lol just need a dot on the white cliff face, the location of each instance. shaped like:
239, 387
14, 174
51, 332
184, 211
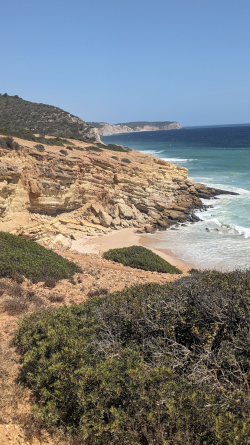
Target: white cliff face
106, 129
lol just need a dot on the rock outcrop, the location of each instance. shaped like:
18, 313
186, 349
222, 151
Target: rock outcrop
56, 195
106, 129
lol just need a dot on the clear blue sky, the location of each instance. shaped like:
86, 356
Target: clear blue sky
113, 60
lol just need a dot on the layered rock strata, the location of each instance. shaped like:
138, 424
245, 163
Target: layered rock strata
58, 195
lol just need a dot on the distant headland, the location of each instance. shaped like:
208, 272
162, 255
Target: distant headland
106, 129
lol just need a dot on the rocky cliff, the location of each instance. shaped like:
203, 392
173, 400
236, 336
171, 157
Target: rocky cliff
18, 114
54, 195
106, 129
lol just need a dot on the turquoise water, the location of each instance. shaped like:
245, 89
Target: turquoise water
219, 157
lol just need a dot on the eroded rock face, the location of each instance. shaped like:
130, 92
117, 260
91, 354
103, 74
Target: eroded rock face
47, 194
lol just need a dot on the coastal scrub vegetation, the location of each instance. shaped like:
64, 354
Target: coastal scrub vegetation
24, 257
92, 148
64, 152
9, 143
40, 147
17, 114
29, 136
114, 147
162, 364
140, 258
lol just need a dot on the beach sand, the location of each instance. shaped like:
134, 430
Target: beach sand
125, 238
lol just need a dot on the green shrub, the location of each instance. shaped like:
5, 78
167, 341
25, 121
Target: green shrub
18, 255
114, 147
53, 141
40, 147
64, 152
126, 160
115, 157
140, 258
19, 133
78, 148
91, 148
163, 364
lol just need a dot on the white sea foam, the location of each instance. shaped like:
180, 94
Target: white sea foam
214, 224
242, 231
152, 152
229, 188
158, 152
178, 160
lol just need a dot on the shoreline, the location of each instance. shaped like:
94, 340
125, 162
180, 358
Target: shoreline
125, 238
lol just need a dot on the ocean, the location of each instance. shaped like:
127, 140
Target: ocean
216, 156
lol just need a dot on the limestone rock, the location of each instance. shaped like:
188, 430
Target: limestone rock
60, 241
53, 198
125, 211
105, 218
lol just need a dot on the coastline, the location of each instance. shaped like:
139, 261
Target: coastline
124, 238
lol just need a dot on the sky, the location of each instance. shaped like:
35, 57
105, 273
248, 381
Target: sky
118, 61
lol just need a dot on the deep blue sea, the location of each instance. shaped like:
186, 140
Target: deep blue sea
217, 156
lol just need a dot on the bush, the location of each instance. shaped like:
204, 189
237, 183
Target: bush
29, 136
115, 147
91, 148
9, 143
13, 307
140, 258
151, 364
53, 141
78, 148
18, 255
126, 160
64, 152
39, 147
97, 292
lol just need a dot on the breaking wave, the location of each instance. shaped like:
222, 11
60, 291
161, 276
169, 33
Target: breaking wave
178, 160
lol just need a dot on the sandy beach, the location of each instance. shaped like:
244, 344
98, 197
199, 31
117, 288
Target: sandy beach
125, 238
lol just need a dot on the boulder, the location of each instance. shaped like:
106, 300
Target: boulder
105, 218
60, 241
116, 221
125, 211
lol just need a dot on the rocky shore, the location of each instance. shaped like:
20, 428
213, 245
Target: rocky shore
58, 195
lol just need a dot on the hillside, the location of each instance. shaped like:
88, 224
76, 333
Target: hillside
18, 114
99, 276
106, 129
148, 364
